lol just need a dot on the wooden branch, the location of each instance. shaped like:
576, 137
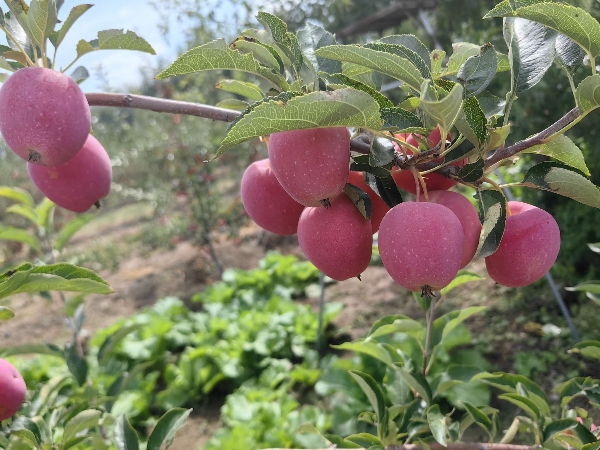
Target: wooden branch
360, 144
161, 105
436, 446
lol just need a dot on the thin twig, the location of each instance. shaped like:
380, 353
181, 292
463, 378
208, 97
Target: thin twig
430, 319
540, 138
461, 446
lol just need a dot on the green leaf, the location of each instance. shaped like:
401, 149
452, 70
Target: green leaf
19, 235
369, 348
492, 213
340, 79
70, 228
479, 417
462, 277
462, 51
55, 277
19, 11
411, 42
242, 88
84, 420
397, 326
472, 172
491, 105
115, 40
111, 342
389, 64
416, 383
38, 349
531, 51
462, 316
522, 402
563, 180
478, 71
6, 313
287, 41
76, 12
508, 6
360, 163
508, 382
344, 107
364, 440
263, 53
361, 200
575, 23
313, 37
400, 120
587, 94
166, 428
217, 55
587, 286
77, 364
26, 211
437, 424
404, 52
79, 75
583, 434
568, 53
17, 194
233, 104
472, 122
382, 152
437, 60
589, 349
386, 188
26, 435
558, 426
445, 111
45, 212
372, 390
27, 429
564, 150
41, 18
339, 442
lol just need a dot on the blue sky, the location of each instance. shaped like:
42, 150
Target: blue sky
122, 67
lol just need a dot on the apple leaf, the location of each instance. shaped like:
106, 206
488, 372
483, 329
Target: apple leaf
575, 23
344, 107
217, 55
242, 88
445, 111
41, 18
478, 71
492, 213
387, 63
57, 37
531, 51
564, 150
563, 180
54, 277
587, 94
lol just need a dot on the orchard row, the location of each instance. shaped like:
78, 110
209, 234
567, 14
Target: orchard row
423, 244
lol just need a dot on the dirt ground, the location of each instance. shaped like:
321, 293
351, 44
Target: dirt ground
142, 279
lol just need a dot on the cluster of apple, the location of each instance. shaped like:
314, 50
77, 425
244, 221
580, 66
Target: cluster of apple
45, 119
423, 244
